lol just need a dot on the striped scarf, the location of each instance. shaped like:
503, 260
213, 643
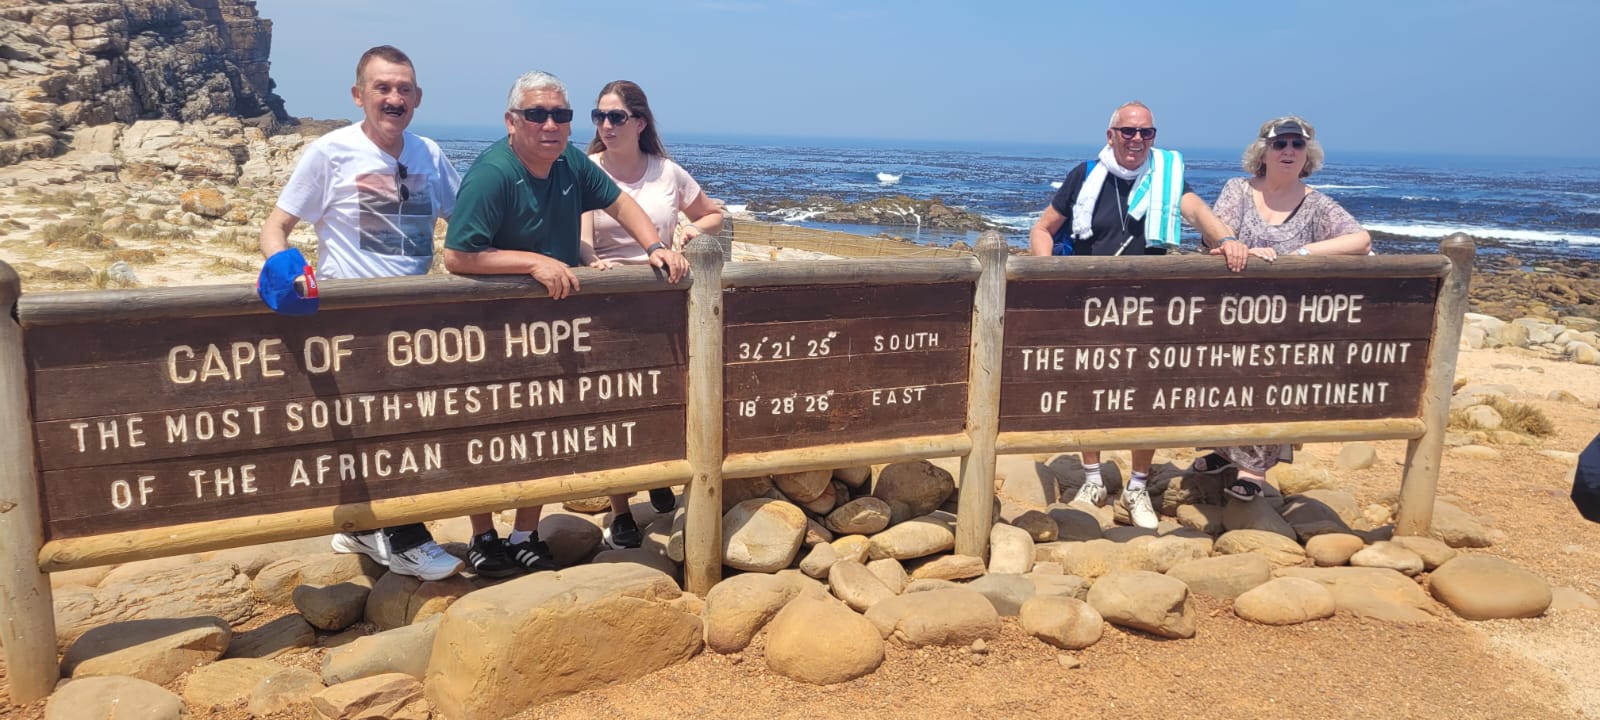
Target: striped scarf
1157, 194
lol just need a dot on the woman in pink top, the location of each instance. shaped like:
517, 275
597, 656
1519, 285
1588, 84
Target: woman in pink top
1274, 213
628, 149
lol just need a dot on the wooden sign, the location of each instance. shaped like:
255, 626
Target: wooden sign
824, 365
1087, 354
159, 423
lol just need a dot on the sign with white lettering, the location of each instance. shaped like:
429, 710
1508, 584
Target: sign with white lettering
1086, 354
160, 423
809, 366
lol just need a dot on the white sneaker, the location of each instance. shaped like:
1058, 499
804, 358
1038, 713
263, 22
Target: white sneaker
1092, 493
372, 545
1138, 504
427, 561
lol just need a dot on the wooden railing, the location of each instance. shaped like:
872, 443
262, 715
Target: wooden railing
180, 420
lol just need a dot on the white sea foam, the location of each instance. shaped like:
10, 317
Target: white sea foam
1016, 222
1349, 187
1423, 230
1418, 197
739, 209
888, 179
798, 214
1056, 184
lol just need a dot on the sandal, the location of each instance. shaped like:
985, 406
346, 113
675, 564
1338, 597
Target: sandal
1243, 489
1210, 464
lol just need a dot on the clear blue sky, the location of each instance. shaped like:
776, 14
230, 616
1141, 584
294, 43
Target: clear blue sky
1478, 77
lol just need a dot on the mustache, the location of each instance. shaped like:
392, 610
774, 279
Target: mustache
390, 107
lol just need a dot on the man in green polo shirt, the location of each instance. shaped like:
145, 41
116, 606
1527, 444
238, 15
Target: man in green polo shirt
518, 213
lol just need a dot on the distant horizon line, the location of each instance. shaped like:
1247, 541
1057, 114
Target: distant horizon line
495, 132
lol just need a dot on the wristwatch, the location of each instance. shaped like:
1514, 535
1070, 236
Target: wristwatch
653, 248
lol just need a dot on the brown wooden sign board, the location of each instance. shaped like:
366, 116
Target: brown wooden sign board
1086, 354
154, 424
824, 365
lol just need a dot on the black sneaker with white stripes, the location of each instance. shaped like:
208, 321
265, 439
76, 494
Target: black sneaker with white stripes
489, 558
533, 555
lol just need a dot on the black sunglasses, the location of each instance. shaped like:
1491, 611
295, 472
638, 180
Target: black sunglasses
537, 115
1281, 144
617, 117
400, 181
1129, 132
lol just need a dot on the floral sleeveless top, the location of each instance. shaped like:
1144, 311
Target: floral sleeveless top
1318, 218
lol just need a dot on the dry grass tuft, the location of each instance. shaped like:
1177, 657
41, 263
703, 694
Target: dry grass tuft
75, 234
1514, 416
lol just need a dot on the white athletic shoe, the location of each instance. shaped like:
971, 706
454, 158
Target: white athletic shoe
1092, 493
372, 545
1138, 504
427, 561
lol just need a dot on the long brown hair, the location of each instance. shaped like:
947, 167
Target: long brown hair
639, 106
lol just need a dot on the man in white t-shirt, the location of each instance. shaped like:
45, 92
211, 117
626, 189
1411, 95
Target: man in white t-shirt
373, 192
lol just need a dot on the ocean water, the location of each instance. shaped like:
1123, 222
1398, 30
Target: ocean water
1530, 207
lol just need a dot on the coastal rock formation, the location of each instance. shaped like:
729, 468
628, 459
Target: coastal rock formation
71, 63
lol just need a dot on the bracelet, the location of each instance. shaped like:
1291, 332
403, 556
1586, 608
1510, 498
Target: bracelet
653, 248
1223, 240
1303, 251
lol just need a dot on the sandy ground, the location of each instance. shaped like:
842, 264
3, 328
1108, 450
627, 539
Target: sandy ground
1343, 667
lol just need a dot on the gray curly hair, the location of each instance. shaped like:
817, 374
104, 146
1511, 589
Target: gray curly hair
1256, 152
533, 80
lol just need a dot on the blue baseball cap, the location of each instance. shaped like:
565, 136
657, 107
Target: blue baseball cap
276, 285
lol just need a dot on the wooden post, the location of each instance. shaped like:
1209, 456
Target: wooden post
1423, 454
27, 612
976, 515
702, 533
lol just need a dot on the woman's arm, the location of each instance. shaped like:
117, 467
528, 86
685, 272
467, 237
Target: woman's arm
704, 217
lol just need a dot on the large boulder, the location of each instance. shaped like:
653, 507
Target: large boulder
1484, 587
803, 487
113, 698
395, 696
947, 617
1154, 603
401, 650
737, 608
1285, 601
225, 682
822, 643
919, 537
1376, 593
156, 650
861, 516
1067, 623
1223, 576
913, 489
1010, 549
216, 589
762, 535
1281, 551
576, 618
856, 586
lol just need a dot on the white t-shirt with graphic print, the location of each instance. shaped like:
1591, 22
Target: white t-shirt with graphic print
369, 221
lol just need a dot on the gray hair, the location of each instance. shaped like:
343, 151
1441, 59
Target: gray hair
1131, 103
530, 81
1255, 153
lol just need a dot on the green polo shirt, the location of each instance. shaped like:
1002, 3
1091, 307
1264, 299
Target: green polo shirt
503, 206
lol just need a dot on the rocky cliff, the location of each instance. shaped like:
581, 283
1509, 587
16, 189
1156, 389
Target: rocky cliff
68, 64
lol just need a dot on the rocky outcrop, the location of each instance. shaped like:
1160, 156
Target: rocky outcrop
67, 64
